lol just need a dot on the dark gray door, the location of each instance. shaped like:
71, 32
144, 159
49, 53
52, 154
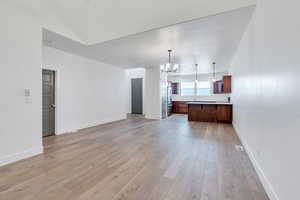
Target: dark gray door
137, 96
48, 103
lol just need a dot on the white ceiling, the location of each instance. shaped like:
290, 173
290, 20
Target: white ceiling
67, 17
201, 41
95, 21
111, 19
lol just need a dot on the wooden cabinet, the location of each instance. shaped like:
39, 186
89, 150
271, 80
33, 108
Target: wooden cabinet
195, 112
218, 87
224, 113
202, 113
223, 86
227, 84
210, 113
180, 107
174, 87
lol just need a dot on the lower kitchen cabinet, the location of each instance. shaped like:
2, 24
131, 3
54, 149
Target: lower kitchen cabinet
224, 113
180, 107
210, 113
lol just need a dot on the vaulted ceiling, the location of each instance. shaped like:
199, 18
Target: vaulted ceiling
202, 41
138, 33
95, 21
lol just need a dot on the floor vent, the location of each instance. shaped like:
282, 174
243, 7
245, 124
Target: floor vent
239, 148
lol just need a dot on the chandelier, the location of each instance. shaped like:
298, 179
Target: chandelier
169, 67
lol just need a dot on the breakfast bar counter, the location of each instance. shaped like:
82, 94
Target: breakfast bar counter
210, 112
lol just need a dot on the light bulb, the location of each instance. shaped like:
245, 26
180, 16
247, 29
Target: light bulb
176, 67
168, 66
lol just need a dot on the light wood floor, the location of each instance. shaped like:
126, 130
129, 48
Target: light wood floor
137, 159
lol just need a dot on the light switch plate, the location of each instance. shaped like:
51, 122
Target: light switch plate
27, 92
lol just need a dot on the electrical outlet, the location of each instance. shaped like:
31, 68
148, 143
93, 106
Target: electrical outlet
28, 100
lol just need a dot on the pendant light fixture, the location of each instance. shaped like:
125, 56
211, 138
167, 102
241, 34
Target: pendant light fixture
169, 67
196, 78
214, 72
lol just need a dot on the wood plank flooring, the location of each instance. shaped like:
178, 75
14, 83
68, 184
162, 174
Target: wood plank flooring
137, 159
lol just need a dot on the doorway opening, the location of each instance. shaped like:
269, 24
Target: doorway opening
48, 82
137, 96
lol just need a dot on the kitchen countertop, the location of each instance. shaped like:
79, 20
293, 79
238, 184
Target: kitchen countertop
193, 101
209, 103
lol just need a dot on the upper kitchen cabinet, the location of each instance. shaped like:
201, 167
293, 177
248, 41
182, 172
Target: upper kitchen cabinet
218, 87
223, 86
227, 84
175, 88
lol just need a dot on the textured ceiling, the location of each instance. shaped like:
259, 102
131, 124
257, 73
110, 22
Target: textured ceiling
201, 41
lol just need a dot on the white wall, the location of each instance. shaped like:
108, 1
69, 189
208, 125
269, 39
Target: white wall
152, 93
201, 77
47, 14
266, 97
131, 74
88, 92
20, 63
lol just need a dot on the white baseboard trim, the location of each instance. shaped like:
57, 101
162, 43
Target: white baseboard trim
264, 180
158, 117
20, 156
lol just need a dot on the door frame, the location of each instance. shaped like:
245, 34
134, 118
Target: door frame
55, 98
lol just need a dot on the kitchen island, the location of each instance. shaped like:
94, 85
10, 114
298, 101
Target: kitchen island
210, 111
